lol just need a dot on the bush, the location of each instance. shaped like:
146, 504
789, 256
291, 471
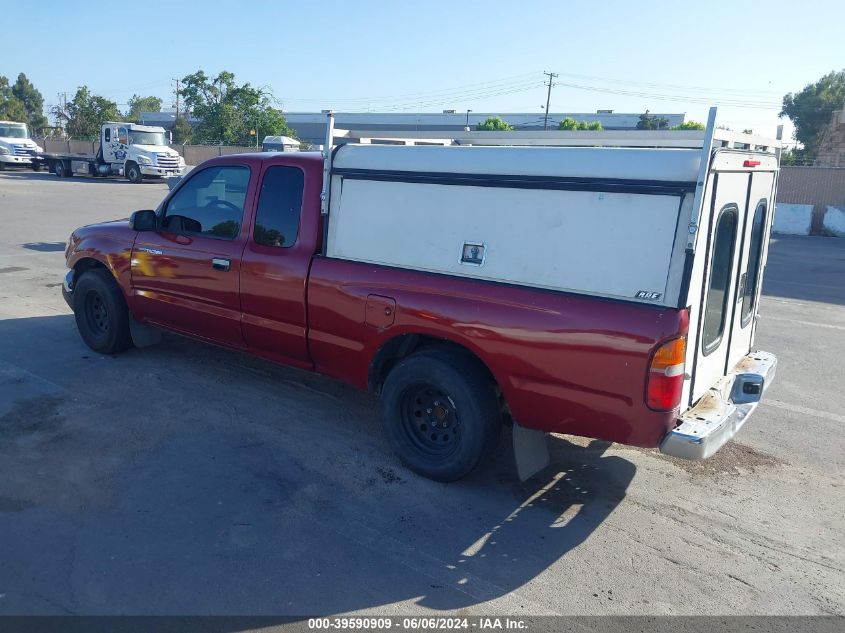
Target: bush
494, 124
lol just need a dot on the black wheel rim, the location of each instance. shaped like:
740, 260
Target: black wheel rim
430, 420
96, 314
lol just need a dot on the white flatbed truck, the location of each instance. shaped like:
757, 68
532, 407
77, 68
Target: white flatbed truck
126, 149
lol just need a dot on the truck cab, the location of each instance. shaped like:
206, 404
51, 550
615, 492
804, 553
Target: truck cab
16, 148
139, 150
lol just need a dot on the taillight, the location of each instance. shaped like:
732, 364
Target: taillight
666, 375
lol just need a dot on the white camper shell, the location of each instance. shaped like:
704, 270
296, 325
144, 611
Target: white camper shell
677, 219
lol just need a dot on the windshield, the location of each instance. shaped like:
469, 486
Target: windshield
13, 130
136, 137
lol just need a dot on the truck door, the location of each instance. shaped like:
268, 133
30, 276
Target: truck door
110, 143
754, 236
185, 276
275, 265
727, 219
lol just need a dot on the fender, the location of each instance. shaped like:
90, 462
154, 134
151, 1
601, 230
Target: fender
108, 245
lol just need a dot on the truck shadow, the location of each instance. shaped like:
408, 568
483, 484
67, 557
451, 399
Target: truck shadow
45, 247
184, 478
45, 175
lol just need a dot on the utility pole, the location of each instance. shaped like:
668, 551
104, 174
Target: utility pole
177, 97
548, 98
61, 117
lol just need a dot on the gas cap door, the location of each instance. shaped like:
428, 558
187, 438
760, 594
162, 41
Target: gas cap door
380, 311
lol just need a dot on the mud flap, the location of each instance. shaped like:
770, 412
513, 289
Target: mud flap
143, 335
530, 451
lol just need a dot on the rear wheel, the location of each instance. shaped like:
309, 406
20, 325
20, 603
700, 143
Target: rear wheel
440, 412
133, 173
101, 313
59, 168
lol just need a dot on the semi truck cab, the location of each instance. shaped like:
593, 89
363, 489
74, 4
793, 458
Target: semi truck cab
16, 148
139, 150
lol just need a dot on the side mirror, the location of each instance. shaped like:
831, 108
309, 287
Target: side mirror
144, 220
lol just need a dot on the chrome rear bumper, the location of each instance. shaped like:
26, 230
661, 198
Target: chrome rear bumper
723, 410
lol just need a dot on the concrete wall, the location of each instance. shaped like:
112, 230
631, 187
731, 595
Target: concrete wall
817, 192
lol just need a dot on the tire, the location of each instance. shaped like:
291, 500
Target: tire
58, 168
36, 166
102, 317
133, 173
2, 166
440, 413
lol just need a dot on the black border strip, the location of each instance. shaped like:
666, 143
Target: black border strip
560, 183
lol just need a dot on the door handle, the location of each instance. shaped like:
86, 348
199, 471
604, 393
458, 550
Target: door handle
219, 263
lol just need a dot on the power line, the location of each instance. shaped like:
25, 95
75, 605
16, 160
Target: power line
759, 105
707, 89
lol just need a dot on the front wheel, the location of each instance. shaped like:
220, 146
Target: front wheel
133, 173
36, 166
441, 414
101, 313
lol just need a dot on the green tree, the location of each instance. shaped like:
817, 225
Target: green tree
690, 125
810, 109
231, 113
793, 157
571, 124
85, 114
182, 130
494, 124
32, 101
11, 108
648, 122
138, 104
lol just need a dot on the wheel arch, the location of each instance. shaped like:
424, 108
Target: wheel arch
84, 264
400, 346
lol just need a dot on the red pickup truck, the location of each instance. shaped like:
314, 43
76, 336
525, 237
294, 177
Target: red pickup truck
460, 325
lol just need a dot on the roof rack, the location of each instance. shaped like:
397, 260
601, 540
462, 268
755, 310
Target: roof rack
684, 139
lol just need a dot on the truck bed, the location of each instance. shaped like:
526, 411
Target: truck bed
565, 363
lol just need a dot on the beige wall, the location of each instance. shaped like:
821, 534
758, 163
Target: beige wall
821, 187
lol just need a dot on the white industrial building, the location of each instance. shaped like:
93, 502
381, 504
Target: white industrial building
311, 126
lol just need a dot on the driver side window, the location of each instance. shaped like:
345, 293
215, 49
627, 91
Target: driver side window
211, 203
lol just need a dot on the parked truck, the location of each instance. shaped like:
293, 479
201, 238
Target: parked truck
126, 149
16, 148
608, 290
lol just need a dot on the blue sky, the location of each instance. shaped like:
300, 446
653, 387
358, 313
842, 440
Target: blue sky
433, 55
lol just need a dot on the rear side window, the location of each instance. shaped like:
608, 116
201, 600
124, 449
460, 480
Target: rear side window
279, 205
720, 277
755, 258
210, 203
